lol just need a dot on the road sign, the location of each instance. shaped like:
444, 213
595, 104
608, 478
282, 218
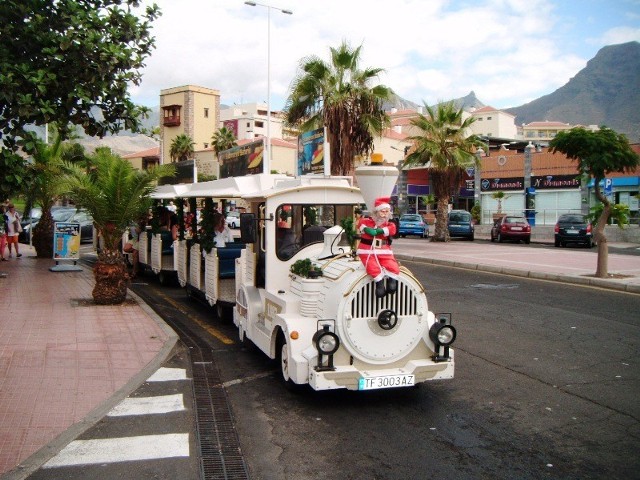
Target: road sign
608, 186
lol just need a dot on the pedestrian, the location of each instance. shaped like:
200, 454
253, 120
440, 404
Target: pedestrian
13, 229
3, 232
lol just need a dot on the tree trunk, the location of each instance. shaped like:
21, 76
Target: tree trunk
42, 235
441, 233
602, 270
111, 277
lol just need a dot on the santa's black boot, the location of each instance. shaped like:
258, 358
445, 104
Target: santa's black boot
392, 285
381, 291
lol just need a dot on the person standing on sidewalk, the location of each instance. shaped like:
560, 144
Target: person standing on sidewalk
3, 232
13, 224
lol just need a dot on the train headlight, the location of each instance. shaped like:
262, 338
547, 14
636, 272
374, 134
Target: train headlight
442, 334
326, 342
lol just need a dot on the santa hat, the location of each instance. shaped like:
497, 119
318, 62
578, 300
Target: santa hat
381, 203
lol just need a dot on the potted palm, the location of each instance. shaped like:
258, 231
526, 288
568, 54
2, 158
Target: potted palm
500, 195
115, 194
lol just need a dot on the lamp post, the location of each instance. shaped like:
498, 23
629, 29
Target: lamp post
267, 157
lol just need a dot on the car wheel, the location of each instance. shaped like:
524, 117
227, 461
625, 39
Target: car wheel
402, 235
557, 243
589, 243
564, 244
283, 357
471, 238
500, 239
527, 241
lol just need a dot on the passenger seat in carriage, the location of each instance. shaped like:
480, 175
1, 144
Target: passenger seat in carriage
227, 259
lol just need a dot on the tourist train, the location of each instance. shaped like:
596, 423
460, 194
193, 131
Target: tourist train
295, 286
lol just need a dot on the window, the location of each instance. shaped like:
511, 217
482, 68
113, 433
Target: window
206, 113
259, 124
206, 145
248, 124
300, 225
479, 119
489, 118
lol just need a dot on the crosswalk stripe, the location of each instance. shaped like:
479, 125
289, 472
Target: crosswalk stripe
125, 449
148, 405
164, 374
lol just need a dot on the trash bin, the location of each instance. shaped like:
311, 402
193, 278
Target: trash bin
530, 215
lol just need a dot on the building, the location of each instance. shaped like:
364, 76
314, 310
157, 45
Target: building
543, 132
188, 110
491, 122
144, 159
249, 121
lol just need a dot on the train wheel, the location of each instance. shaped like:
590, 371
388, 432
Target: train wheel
284, 365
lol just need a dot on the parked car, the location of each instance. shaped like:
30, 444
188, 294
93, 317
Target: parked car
573, 228
233, 219
413, 224
60, 214
460, 224
511, 227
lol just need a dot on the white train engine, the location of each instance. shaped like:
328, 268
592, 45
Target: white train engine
325, 322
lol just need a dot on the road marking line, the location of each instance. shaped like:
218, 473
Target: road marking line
125, 449
148, 405
164, 374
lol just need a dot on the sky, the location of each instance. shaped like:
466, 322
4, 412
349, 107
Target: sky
509, 52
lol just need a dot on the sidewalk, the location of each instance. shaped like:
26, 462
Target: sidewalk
65, 362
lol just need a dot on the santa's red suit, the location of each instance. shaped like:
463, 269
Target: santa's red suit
374, 250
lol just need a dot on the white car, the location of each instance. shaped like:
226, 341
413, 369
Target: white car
233, 219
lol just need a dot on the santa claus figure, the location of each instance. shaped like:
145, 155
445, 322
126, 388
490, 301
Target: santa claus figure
374, 249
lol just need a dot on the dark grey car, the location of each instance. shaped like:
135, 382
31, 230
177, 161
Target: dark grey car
573, 228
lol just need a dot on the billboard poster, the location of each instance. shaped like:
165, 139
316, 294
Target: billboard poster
66, 241
311, 152
555, 181
231, 125
242, 160
495, 184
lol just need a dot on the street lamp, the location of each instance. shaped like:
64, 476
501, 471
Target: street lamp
267, 157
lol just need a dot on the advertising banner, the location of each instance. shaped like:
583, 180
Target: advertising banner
555, 182
66, 241
311, 154
242, 160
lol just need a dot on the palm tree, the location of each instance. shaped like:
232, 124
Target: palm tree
181, 148
115, 194
223, 139
43, 189
444, 147
338, 96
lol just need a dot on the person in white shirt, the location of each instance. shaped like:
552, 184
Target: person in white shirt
13, 220
222, 234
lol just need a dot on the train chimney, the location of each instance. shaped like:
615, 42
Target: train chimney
376, 180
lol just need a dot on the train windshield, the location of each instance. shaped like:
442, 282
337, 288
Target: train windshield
299, 225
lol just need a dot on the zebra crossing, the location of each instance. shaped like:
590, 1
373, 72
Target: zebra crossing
152, 425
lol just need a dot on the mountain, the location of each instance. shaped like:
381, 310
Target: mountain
605, 92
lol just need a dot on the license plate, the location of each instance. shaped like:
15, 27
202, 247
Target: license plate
516, 228
386, 381
573, 232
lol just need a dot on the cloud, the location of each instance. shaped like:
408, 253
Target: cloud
507, 51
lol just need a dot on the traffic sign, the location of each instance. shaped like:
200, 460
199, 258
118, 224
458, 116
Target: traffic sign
608, 186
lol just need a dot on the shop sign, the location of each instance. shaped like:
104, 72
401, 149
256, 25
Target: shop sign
555, 182
497, 184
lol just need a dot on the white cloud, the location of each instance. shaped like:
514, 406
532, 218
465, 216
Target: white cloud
507, 51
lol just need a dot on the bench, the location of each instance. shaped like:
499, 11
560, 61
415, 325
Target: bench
227, 259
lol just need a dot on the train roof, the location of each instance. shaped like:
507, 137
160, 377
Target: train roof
291, 184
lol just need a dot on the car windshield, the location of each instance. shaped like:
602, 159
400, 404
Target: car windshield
459, 217
62, 215
410, 218
571, 219
514, 220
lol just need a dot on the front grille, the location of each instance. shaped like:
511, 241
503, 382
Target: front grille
364, 303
